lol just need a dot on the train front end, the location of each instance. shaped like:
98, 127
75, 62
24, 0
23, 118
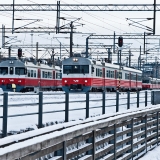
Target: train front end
76, 74
12, 75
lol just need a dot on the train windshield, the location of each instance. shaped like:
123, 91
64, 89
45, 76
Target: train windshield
3, 70
20, 71
145, 81
67, 69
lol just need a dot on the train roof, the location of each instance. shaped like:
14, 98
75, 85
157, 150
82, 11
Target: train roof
12, 62
76, 61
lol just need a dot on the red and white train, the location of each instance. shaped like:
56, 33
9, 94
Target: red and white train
22, 75
83, 74
150, 83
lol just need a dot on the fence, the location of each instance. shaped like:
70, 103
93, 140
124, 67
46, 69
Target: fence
125, 136
144, 99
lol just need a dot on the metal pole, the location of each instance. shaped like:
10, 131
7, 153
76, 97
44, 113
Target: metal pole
67, 107
103, 102
13, 19
117, 101
5, 114
37, 51
145, 98
115, 146
140, 58
64, 150
9, 52
71, 39
128, 100
94, 145
60, 51
87, 47
114, 42
129, 58
40, 113
157, 128
87, 104
154, 18
137, 99
144, 42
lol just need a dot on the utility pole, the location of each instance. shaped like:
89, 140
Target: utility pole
9, 52
60, 51
32, 42
140, 57
129, 58
13, 19
71, 39
37, 51
114, 42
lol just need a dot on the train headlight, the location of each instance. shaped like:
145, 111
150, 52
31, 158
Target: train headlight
65, 81
86, 81
75, 59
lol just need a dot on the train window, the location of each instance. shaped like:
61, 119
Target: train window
112, 74
58, 75
139, 78
34, 73
133, 77
107, 73
75, 69
19, 71
3, 70
29, 73
145, 81
126, 76
49, 75
100, 72
119, 75
43, 74
67, 69
84, 69
11, 70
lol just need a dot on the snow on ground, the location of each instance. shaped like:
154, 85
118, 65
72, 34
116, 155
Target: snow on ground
22, 123
31, 121
152, 155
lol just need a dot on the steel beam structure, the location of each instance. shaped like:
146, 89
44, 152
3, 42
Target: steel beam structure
92, 46
30, 29
79, 7
125, 36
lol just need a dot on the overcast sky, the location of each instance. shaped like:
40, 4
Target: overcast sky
94, 22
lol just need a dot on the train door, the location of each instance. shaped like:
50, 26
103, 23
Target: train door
103, 78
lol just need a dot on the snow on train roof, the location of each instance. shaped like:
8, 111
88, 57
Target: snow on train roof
44, 66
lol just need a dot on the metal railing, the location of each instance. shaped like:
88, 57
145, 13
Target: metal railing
145, 98
125, 136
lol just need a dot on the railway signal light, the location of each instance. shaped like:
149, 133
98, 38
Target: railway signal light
19, 52
120, 41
